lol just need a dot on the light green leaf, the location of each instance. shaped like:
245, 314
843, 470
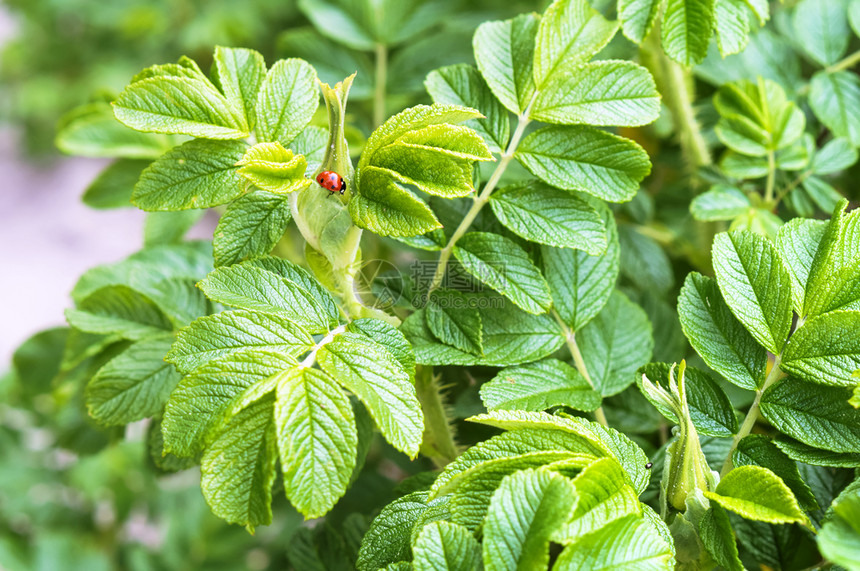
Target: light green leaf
133, 385
821, 29
603, 496
121, 310
839, 539
826, 349
525, 511
287, 100
238, 468
835, 100
92, 130
758, 450
390, 338
638, 17
202, 398
798, 242
615, 343
384, 208
504, 52
581, 284
854, 16
600, 93
686, 30
721, 202
112, 188
271, 167
539, 386
450, 318
540, 213
836, 155
197, 174
188, 105
371, 373
445, 546
625, 544
586, 159
463, 85
250, 227
230, 332
758, 494
755, 285
834, 276
731, 25
297, 296
312, 143
239, 72
717, 335
817, 415
715, 531
501, 264
169, 227
317, 439
569, 34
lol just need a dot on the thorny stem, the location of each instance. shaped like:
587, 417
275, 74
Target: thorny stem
752, 414
481, 200
845, 63
379, 87
579, 362
438, 443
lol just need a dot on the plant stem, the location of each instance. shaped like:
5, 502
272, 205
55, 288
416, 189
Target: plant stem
845, 63
579, 362
379, 87
791, 186
752, 415
771, 174
438, 443
481, 200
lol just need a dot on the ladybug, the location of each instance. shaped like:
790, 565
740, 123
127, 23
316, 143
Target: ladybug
332, 181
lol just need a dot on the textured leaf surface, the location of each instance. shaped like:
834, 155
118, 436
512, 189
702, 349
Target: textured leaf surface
121, 310
721, 202
250, 227
585, 159
287, 100
715, 531
757, 493
627, 544
92, 130
450, 318
539, 386
798, 242
637, 17
755, 285
240, 72
835, 100
445, 546
388, 539
504, 52
758, 450
826, 349
839, 539
686, 30
269, 166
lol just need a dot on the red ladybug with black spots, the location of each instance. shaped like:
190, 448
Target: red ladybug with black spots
331, 181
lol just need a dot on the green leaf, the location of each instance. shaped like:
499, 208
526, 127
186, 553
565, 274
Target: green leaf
731, 25
92, 131
238, 468
603, 496
201, 399
586, 159
133, 385
638, 17
463, 85
758, 450
581, 284
384, 208
389, 337
615, 343
826, 349
121, 310
169, 227
543, 214
709, 407
286, 102
504, 54
539, 386
836, 155
230, 332
643, 260
715, 531
817, 415
250, 227
599, 93
113, 187
451, 319
525, 511
389, 538
839, 539
835, 100
717, 335
271, 167
801, 452
626, 543
686, 30
758, 494
197, 174
834, 276
501, 264
445, 546
821, 29
239, 73
755, 285
317, 439
296, 295
721, 202
798, 242
569, 34
371, 373
188, 105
